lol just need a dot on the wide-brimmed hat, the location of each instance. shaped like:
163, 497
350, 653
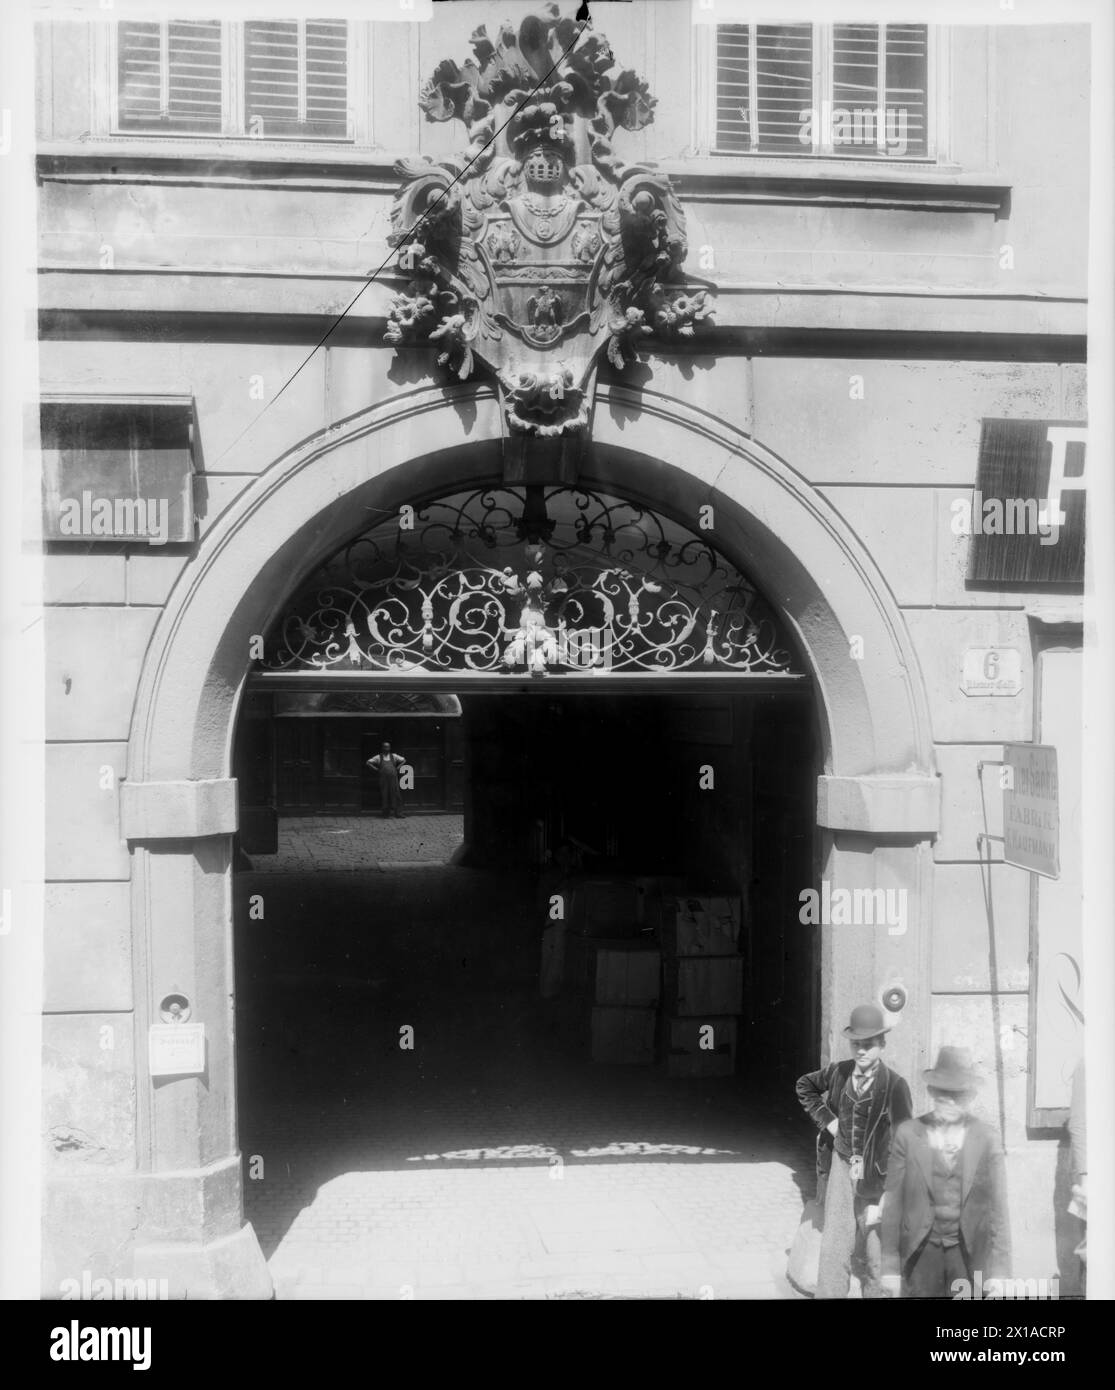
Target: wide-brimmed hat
867, 1022
953, 1071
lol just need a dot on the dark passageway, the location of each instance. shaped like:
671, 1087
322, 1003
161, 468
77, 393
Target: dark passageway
494, 1152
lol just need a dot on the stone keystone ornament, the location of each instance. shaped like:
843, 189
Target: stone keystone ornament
549, 249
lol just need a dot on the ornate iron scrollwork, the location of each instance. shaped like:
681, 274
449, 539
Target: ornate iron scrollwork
491, 581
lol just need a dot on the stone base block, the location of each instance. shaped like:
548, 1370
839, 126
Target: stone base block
231, 1268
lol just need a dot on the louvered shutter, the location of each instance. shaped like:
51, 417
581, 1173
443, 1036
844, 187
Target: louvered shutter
169, 76
733, 88
858, 84
907, 47
783, 85
855, 65
296, 79
326, 78
139, 74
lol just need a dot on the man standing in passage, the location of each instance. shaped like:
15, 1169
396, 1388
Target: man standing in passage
856, 1105
387, 764
945, 1212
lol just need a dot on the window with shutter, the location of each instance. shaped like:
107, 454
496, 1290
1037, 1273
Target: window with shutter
803, 89
783, 85
905, 87
733, 88
296, 79
170, 76
879, 88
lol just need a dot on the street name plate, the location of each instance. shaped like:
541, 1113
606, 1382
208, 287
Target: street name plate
991, 671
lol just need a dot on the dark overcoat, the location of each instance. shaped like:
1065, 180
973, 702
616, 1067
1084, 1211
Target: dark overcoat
819, 1093
908, 1204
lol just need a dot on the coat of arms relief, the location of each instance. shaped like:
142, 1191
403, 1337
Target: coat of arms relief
539, 247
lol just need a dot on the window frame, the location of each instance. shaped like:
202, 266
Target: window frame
705, 102
106, 55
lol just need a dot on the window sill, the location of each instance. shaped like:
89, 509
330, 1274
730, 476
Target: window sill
209, 138
216, 161
816, 180
838, 180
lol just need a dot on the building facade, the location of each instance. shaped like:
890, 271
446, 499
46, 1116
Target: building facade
863, 322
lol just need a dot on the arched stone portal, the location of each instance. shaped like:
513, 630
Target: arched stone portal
877, 802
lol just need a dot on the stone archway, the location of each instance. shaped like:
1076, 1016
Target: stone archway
877, 800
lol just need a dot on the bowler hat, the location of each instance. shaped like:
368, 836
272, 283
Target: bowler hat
867, 1022
953, 1071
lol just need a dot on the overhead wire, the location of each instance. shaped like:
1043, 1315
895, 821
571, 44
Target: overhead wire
403, 241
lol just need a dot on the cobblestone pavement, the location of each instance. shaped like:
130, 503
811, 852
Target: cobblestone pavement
329, 843
494, 1159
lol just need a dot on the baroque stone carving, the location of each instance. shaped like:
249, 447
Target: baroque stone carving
534, 253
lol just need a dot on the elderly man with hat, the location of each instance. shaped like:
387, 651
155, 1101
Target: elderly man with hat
856, 1104
945, 1208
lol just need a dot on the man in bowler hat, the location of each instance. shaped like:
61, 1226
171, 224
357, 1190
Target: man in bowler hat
945, 1209
856, 1104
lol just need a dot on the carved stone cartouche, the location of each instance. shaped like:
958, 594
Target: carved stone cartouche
537, 250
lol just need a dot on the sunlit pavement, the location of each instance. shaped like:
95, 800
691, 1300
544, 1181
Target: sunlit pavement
336, 843
494, 1159
546, 1186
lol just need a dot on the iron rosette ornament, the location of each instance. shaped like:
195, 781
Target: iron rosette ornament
539, 247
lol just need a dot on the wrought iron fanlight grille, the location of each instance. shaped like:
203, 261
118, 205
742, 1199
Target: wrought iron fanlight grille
528, 580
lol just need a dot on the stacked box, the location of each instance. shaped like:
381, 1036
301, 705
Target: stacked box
628, 974
700, 986
609, 907
626, 982
701, 1046
702, 983
700, 926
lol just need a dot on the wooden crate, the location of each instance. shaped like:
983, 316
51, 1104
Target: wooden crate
623, 1035
699, 985
701, 1046
608, 907
700, 925
628, 974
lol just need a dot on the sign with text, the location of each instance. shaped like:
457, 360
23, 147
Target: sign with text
176, 1049
1026, 516
1056, 1015
991, 671
1031, 819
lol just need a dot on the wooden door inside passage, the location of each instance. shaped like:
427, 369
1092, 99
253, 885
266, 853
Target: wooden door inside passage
295, 756
341, 765
422, 743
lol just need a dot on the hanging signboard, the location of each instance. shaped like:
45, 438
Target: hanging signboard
118, 469
1031, 821
1055, 1027
1026, 515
